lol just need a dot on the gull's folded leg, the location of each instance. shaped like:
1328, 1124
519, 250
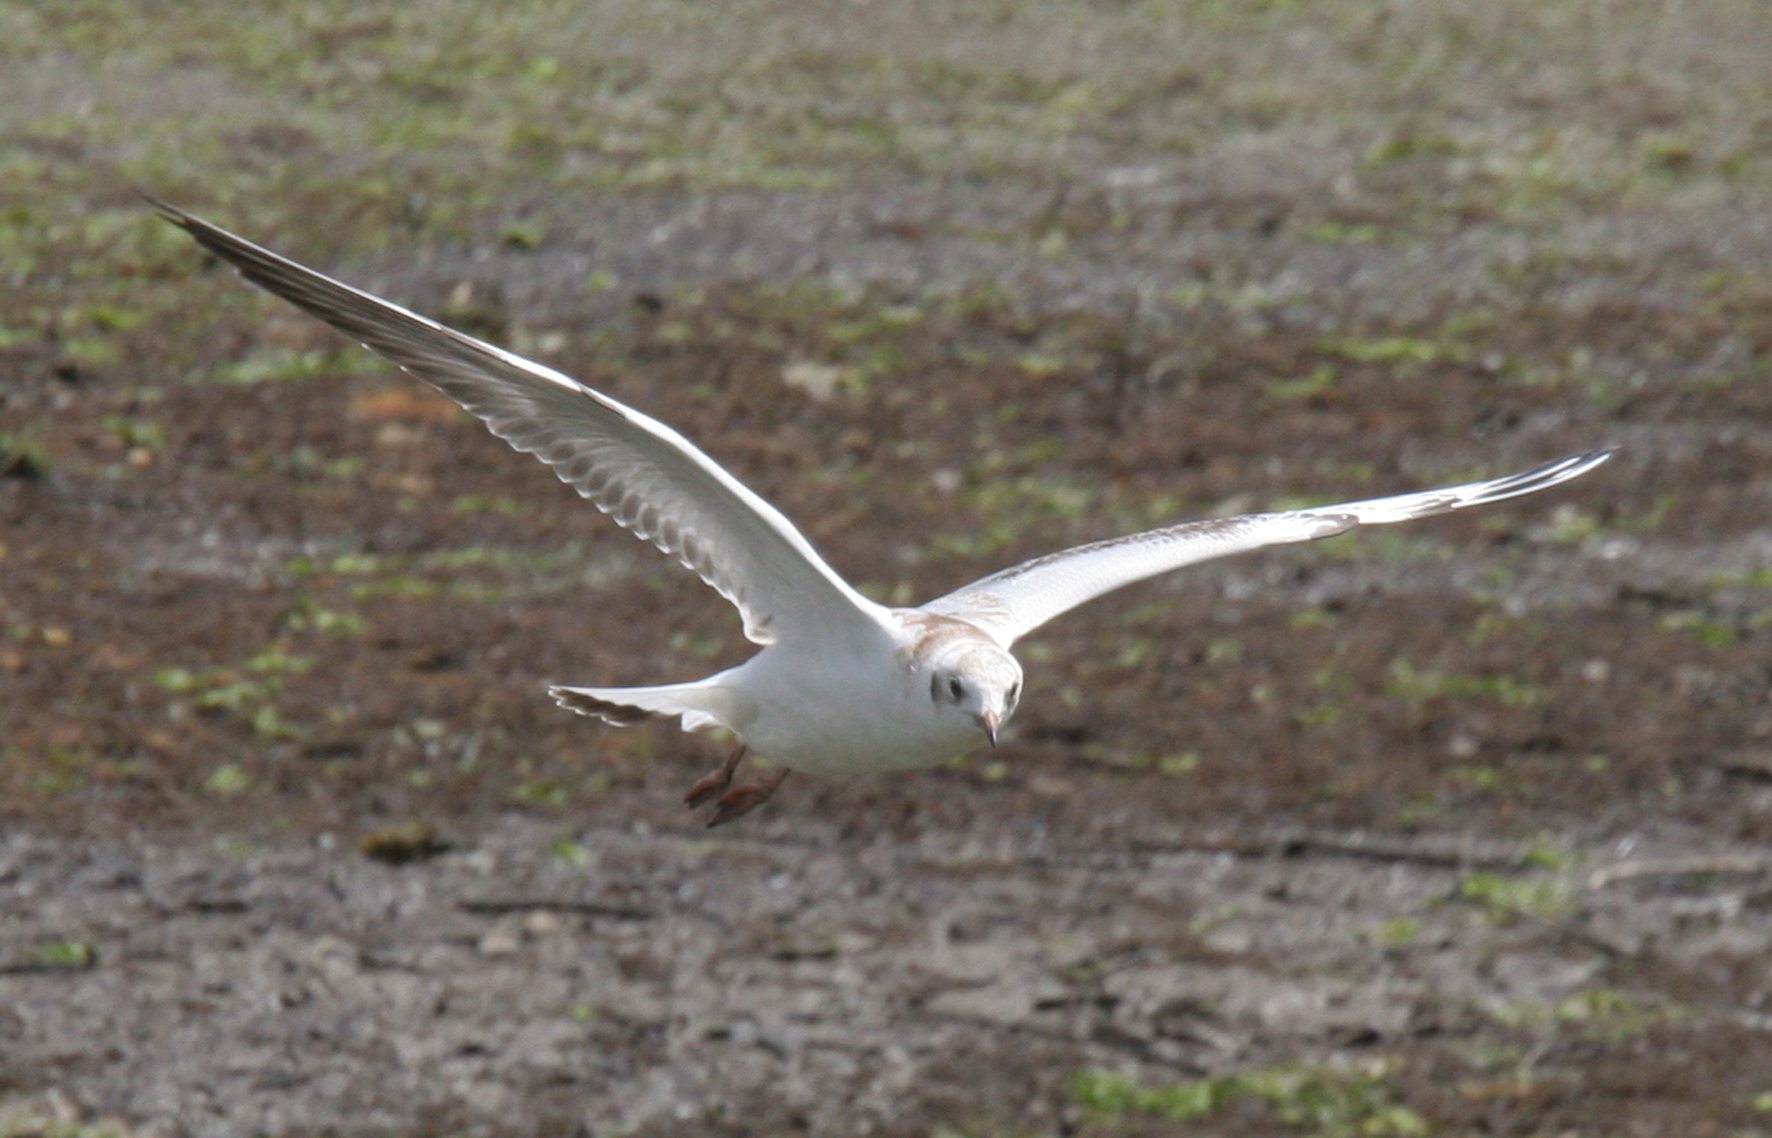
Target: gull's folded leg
716, 781
743, 799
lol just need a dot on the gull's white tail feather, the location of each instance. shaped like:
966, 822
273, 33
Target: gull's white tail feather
701, 703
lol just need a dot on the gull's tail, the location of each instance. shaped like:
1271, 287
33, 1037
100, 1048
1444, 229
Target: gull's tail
701, 703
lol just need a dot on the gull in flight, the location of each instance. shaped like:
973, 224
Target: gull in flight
842, 684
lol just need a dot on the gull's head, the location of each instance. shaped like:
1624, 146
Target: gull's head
980, 681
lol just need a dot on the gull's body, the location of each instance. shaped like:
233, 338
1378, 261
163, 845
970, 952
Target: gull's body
858, 705
842, 684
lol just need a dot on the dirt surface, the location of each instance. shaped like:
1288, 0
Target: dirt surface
828, 978
1463, 827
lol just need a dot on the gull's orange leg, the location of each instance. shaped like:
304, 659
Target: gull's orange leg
743, 799
716, 781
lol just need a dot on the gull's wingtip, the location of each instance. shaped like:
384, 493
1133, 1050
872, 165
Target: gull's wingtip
1543, 477
1578, 464
206, 233
166, 210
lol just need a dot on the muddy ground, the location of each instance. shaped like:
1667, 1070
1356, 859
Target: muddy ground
1458, 828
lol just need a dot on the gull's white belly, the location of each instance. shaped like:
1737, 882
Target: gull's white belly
845, 714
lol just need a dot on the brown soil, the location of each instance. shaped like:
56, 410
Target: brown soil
1477, 810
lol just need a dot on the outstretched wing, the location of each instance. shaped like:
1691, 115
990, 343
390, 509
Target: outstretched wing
1010, 604
644, 475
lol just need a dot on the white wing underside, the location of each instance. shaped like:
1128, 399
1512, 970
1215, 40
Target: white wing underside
644, 475
1014, 602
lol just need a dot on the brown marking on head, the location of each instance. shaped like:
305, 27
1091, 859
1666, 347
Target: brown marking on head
934, 635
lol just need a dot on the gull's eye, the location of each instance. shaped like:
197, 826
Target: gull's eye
1014, 693
955, 687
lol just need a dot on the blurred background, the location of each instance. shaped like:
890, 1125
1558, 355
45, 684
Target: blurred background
1454, 828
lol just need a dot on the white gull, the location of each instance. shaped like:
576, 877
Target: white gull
842, 684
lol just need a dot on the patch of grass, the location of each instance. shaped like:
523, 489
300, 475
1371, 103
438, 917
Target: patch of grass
355, 563
246, 690
1503, 896
1758, 579
1599, 1013
1315, 617
134, 432
474, 574
1405, 351
227, 781
1408, 144
570, 852
1343, 232
1479, 776
22, 454
1544, 854
1418, 685
1320, 380
1310, 1100
307, 615
306, 462
1709, 630
1323, 713
403, 587
541, 792
1390, 545
239, 848
275, 659
274, 363
1570, 524
1173, 763
487, 504
1225, 650
1397, 932
60, 768
68, 953
1227, 291
1009, 507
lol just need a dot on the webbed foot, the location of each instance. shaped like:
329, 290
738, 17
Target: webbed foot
716, 780
742, 800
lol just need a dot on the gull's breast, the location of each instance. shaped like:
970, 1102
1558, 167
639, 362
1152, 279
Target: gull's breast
848, 713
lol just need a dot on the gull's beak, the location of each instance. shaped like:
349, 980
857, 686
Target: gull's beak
989, 720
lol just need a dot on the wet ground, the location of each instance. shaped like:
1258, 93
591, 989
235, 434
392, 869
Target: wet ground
1463, 827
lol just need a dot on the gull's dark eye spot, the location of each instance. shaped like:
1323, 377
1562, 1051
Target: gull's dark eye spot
1014, 693
955, 687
